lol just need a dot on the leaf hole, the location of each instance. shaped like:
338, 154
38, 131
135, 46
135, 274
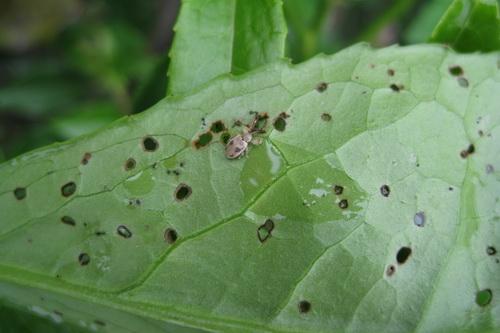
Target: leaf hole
470, 150
68, 189
217, 126
84, 259
343, 204
304, 306
390, 72
396, 87
403, 255
203, 140
456, 70
130, 164
483, 297
123, 231
491, 250
20, 193
280, 122
182, 192
326, 117
224, 138
68, 220
338, 189
149, 144
463, 82
86, 158
385, 190
489, 169
264, 230
391, 269
170, 236
419, 219
322, 86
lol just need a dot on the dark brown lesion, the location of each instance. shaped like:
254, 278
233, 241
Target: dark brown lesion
264, 231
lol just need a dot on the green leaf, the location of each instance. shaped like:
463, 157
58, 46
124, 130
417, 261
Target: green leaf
423, 24
470, 25
223, 36
373, 209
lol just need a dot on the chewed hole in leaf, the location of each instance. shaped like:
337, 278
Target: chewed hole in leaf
203, 140
68, 189
84, 259
470, 150
304, 306
419, 219
86, 158
456, 70
385, 190
463, 82
395, 87
391, 269
483, 297
224, 138
170, 236
491, 250
123, 231
217, 126
322, 86
149, 144
403, 255
343, 204
338, 189
326, 117
68, 220
280, 122
20, 193
130, 164
182, 192
261, 121
390, 72
264, 230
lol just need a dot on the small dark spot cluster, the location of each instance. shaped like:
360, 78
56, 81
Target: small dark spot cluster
456, 70
225, 137
304, 306
100, 233
396, 87
123, 231
68, 189
182, 192
170, 235
390, 72
20, 193
149, 144
491, 250
322, 86
470, 150
264, 231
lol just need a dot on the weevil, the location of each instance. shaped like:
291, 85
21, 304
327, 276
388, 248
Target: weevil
237, 146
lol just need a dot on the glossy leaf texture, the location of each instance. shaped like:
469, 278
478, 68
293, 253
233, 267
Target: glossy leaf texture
370, 204
469, 26
216, 37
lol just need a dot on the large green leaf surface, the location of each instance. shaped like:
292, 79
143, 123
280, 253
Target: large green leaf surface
216, 37
470, 25
144, 227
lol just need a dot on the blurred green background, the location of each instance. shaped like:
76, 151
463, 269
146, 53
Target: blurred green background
68, 67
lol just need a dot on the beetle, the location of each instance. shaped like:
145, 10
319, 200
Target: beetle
237, 146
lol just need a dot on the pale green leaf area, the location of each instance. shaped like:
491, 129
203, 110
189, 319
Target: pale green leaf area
469, 26
216, 37
140, 226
